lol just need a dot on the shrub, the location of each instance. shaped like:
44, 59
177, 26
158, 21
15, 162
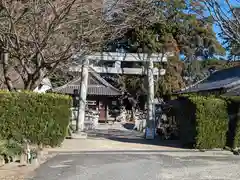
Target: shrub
10, 148
40, 118
3, 147
233, 135
185, 116
212, 122
204, 122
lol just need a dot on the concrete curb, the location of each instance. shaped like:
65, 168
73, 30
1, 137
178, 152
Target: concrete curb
79, 136
142, 151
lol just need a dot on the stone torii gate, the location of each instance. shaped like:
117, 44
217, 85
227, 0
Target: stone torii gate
148, 69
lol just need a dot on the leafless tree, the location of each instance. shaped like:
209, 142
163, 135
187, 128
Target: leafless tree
124, 15
121, 16
37, 36
227, 17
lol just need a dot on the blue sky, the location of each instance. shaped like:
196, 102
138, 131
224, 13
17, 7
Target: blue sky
215, 27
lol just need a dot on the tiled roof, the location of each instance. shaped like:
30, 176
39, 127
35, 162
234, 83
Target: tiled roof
225, 83
233, 72
96, 86
223, 79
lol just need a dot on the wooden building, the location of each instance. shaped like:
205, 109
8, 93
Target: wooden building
224, 82
101, 95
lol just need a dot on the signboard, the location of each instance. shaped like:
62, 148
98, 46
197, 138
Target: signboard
150, 132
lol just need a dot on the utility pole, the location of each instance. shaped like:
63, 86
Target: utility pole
150, 129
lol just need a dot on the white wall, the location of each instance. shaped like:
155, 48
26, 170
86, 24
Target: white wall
46, 85
43, 89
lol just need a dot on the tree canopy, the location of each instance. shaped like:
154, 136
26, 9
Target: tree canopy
38, 38
180, 27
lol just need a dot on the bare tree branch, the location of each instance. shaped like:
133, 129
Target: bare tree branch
45, 34
226, 16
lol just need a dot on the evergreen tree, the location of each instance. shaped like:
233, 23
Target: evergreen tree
180, 28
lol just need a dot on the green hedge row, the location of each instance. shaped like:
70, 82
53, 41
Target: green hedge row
233, 135
212, 120
203, 122
40, 118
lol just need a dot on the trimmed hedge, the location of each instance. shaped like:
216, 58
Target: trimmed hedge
212, 120
203, 122
40, 118
233, 135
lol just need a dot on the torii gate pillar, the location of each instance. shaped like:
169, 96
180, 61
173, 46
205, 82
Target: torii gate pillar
150, 129
83, 95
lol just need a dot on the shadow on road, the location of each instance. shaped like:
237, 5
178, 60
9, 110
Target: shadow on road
130, 136
156, 141
128, 126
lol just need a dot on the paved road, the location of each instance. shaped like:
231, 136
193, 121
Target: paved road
149, 163
139, 166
